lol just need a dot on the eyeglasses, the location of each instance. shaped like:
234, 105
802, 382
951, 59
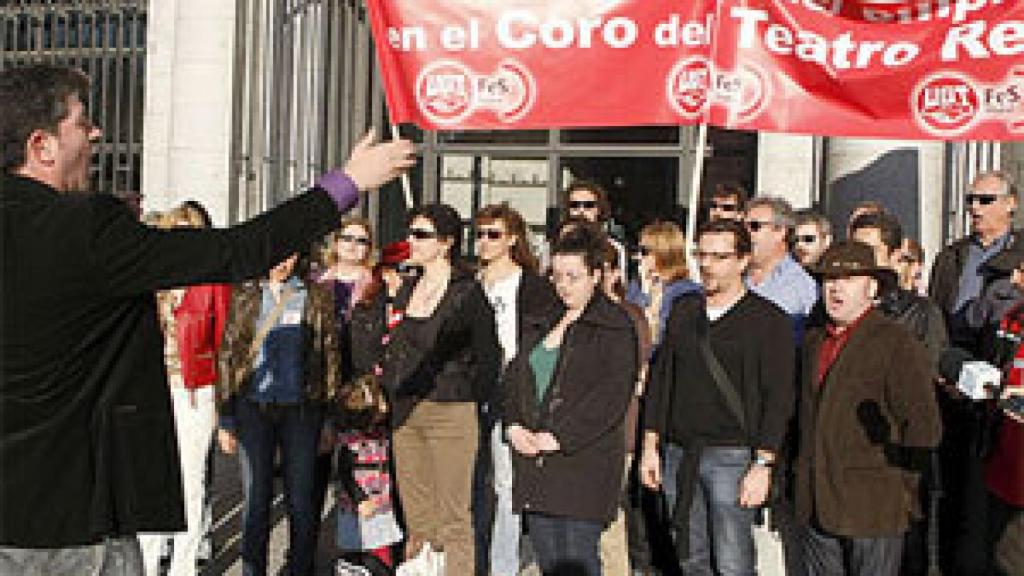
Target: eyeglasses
568, 277
405, 269
724, 206
363, 240
422, 234
806, 239
582, 204
643, 251
490, 234
982, 199
908, 260
717, 256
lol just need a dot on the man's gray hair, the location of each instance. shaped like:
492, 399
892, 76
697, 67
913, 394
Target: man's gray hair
808, 216
782, 210
1009, 185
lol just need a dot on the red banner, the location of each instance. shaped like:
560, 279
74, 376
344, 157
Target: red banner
929, 70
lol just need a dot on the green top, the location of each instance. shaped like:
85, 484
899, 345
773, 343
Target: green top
543, 361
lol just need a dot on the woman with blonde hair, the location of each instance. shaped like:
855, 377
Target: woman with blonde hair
347, 272
663, 274
193, 321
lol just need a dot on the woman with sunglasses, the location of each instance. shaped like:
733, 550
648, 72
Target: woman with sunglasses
515, 289
663, 274
348, 273
442, 359
568, 389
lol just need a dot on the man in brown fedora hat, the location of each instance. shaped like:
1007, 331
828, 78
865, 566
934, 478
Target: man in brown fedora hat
867, 417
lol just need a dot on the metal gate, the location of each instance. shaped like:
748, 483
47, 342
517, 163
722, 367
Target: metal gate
107, 40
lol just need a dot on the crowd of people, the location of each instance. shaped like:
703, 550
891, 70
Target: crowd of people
772, 391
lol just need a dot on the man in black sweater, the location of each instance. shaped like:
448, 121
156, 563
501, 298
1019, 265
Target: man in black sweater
87, 444
718, 403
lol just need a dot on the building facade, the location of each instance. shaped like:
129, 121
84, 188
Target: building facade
247, 101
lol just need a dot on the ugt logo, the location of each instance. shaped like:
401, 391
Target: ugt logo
448, 92
946, 104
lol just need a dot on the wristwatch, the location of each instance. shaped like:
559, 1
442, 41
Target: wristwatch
760, 460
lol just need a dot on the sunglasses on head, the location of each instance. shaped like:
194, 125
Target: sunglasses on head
489, 233
806, 238
422, 234
982, 199
582, 204
363, 240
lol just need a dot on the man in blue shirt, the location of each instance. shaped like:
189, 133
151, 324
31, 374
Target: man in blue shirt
773, 273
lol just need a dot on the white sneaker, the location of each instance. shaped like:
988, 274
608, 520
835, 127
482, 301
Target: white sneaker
343, 568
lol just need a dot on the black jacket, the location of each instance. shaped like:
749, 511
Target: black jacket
453, 356
87, 443
919, 315
944, 285
584, 408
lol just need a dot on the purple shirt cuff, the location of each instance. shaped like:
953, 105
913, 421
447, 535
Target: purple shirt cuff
341, 188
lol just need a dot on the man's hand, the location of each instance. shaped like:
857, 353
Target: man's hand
372, 165
546, 442
227, 441
650, 468
523, 441
754, 486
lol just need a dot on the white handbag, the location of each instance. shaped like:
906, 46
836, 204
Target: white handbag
426, 563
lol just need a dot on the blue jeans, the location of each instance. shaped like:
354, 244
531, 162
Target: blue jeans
296, 430
112, 557
721, 532
566, 546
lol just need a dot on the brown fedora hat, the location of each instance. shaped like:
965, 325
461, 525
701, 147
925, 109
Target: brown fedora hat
852, 258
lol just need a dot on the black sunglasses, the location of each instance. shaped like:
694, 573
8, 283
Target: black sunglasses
355, 239
422, 234
755, 225
724, 206
806, 238
582, 204
490, 234
983, 199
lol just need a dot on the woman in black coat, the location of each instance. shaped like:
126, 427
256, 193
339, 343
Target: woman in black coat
567, 394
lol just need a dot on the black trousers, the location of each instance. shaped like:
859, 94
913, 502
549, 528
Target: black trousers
832, 555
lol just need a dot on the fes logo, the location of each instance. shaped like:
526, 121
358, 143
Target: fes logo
950, 103
448, 92
694, 84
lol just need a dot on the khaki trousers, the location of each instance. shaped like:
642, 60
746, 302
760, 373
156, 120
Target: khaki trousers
435, 451
614, 542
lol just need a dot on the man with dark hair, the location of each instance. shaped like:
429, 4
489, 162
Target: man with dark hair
812, 235
728, 201
883, 233
588, 200
718, 402
87, 444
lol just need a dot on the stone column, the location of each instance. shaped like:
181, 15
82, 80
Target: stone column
189, 72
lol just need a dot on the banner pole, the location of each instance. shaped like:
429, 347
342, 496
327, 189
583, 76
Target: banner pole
406, 183
694, 204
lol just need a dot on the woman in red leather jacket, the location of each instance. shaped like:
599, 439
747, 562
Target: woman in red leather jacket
193, 322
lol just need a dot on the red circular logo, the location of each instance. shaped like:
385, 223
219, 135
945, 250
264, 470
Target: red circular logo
946, 104
688, 85
444, 92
